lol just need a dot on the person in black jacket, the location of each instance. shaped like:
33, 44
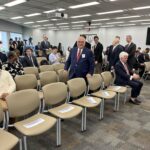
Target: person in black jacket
3, 57
87, 45
29, 60
124, 76
114, 50
98, 50
130, 48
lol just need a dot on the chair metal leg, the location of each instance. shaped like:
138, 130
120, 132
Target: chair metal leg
83, 124
85, 109
20, 144
4, 121
7, 119
25, 142
125, 97
103, 108
118, 101
115, 107
58, 131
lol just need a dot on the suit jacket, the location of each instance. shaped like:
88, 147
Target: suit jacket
28, 63
3, 57
84, 65
98, 50
87, 45
122, 78
46, 45
113, 54
131, 51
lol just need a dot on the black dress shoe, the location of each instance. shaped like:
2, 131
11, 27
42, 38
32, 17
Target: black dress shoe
134, 102
138, 101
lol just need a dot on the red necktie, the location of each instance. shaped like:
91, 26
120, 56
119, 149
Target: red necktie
78, 54
126, 68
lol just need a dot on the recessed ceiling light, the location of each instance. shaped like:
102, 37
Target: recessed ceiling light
81, 16
42, 28
90, 27
80, 25
105, 19
112, 0
36, 26
114, 22
110, 12
139, 20
1, 7
145, 23
78, 22
76, 28
16, 2
95, 24
124, 25
34, 14
127, 17
18, 17
48, 25
62, 23
107, 26
63, 26
54, 19
28, 22
42, 21
84, 5
140, 8
54, 10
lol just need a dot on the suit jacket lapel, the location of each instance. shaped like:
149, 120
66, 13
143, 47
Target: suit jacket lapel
81, 54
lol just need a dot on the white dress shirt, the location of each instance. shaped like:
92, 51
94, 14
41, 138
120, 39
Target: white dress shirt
54, 58
7, 84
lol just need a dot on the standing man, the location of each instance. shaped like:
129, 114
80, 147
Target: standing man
130, 48
98, 50
114, 51
45, 45
124, 76
80, 61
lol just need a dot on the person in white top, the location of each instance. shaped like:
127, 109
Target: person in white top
7, 84
54, 57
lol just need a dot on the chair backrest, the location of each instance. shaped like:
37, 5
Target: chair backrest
48, 77
55, 93
58, 66
39, 59
95, 82
107, 78
62, 75
31, 70
1, 114
27, 81
44, 68
76, 87
22, 102
147, 66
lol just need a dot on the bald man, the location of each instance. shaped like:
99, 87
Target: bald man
80, 61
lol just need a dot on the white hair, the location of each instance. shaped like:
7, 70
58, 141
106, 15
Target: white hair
122, 54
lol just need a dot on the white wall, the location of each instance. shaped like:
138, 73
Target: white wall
68, 37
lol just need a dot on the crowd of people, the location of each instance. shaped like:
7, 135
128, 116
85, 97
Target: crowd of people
83, 61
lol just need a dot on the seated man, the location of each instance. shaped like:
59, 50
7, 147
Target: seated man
7, 86
125, 77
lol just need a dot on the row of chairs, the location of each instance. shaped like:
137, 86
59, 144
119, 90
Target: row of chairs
147, 70
26, 101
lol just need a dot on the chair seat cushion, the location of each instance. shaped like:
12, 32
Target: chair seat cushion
66, 111
118, 89
35, 125
8, 140
104, 94
88, 101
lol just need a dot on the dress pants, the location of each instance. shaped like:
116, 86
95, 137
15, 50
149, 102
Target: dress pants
98, 68
136, 87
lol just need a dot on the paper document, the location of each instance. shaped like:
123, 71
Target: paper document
91, 100
67, 109
34, 123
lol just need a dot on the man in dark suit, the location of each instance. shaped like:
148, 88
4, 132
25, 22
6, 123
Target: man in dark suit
29, 60
114, 50
130, 48
98, 50
3, 57
45, 45
87, 45
80, 61
126, 77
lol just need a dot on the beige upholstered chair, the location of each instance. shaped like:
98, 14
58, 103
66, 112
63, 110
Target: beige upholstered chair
58, 66
23, 103
44, 68
32, 70
107, 82
77, 88
94, 86
54, 94
147, 70
39, 59
62, 75
27, 81
7, 140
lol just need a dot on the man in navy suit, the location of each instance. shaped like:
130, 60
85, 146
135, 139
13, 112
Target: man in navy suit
125, 77
114, 51
80, 61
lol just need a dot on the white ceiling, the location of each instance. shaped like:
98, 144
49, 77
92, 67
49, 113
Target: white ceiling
39, 6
